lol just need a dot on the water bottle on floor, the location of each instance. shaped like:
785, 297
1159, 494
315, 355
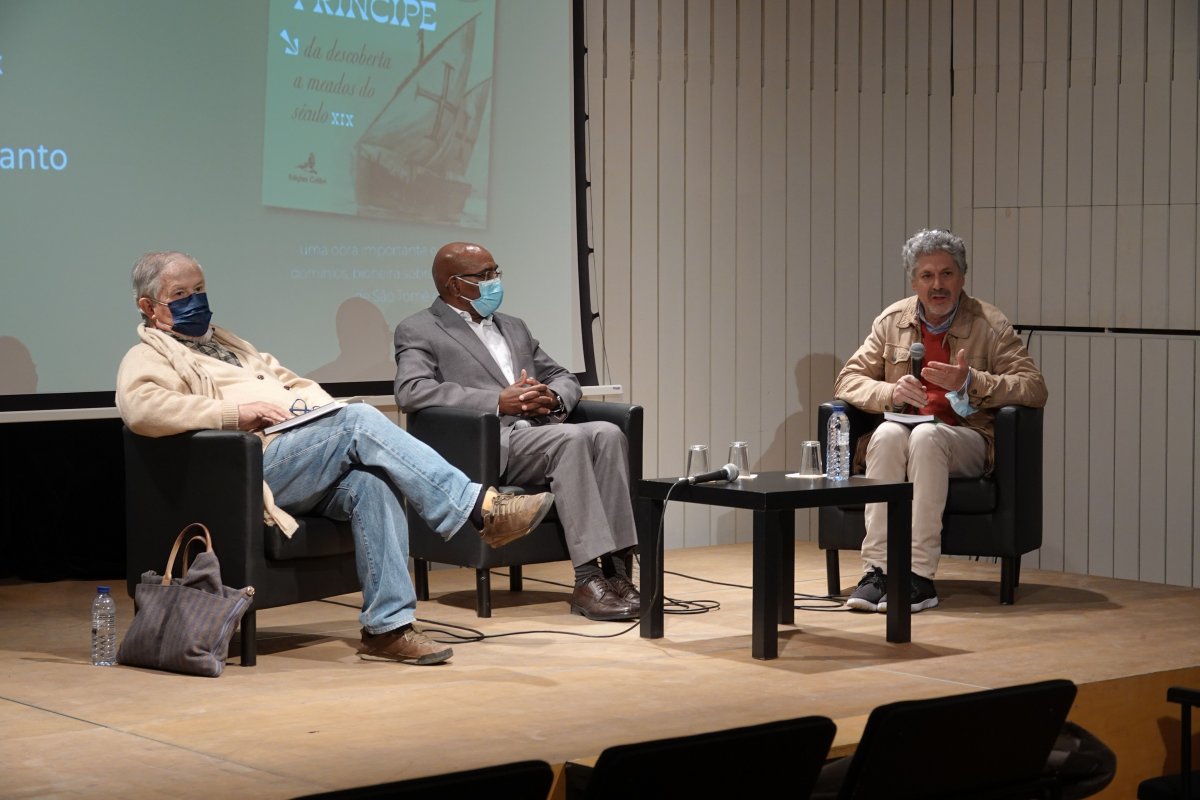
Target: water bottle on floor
837, 443
104, 628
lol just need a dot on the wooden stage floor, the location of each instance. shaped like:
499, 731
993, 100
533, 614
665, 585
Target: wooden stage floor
311, 717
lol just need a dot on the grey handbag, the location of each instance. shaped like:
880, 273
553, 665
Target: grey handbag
184, 624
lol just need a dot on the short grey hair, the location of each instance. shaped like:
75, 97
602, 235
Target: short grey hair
148, 270
924, 242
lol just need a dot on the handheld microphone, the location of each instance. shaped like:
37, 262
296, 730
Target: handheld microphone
917, 353
729, 472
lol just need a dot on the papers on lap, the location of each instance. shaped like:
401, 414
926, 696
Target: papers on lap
307, 416
909, 419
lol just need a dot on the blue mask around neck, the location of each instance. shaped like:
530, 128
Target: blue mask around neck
191, 315
491, 293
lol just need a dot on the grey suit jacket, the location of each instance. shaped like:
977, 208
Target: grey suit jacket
441, 362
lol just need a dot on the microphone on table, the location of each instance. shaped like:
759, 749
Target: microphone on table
729, 472
917, 353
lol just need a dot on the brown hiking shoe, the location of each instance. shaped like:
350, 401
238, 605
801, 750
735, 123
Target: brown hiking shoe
514, 515
406, 645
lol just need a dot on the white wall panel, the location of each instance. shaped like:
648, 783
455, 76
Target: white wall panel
1031, 164
724, 235
1079, 103
895, 89
643, 222
1155, 266
846, 234
808, 370
1100, 528
1184, 73
876, 257
692, 349
671, 269
1008, 103
1106, 78
774, 367
1151, 420
1126, 389
1065, 484
1179, 422
1181, 268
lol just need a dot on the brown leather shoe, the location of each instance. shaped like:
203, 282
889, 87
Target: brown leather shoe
513, 516
406, 645
626, 590
596, 600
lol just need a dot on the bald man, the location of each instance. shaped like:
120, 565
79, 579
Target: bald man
461, 352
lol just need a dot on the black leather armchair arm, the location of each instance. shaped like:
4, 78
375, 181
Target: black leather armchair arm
468, 439
212, 477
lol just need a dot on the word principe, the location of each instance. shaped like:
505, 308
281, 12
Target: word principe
40, 158
402, 13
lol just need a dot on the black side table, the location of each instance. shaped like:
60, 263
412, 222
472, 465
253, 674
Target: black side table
774, 498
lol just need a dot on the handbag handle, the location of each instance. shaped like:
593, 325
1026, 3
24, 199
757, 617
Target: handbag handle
206, 538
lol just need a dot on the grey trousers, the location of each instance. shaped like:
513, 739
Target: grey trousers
586, 465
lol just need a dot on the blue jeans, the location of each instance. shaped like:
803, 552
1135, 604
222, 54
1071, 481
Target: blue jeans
358, 465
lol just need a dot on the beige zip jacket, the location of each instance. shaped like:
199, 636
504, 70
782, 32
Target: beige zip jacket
1002, 371
164, 388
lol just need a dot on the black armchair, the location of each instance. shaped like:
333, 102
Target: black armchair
470, 440
215, 477
996, 516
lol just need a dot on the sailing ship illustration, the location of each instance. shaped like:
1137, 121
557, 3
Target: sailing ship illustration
410, 162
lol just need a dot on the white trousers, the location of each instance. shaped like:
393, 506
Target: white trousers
928, 455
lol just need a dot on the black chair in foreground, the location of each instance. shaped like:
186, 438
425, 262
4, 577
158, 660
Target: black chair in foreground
988, 745
998, 516
750, 761
215, 477
520, 780
1185, 785
470, 440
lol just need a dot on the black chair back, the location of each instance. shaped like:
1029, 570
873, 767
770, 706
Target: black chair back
989, 744
750, 761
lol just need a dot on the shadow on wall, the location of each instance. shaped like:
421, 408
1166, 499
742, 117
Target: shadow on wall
365, 339
814, 375
18, 373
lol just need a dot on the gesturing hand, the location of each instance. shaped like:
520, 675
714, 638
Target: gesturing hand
948, 376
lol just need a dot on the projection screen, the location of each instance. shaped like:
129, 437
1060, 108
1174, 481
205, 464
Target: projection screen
313, 155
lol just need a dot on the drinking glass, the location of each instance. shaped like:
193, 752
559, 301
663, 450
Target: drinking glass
697, 460
810, 460
739, 456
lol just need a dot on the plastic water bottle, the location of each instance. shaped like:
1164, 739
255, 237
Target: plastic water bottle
837, 444
104, 628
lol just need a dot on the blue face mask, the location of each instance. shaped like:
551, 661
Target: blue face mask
491, 293
191, 315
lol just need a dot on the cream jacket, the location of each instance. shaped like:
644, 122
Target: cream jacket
164, 388
1002, 371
